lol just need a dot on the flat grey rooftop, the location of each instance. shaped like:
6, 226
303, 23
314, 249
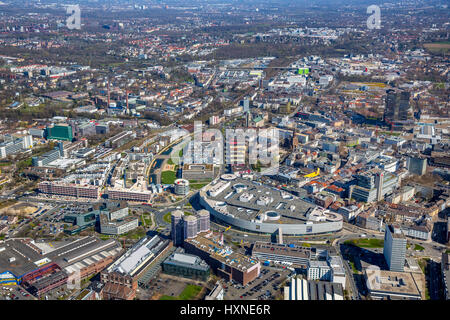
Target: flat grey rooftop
291, 209
64, 253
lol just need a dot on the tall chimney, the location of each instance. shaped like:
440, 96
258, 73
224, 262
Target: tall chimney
108, 94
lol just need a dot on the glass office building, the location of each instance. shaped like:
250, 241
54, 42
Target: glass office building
186, 266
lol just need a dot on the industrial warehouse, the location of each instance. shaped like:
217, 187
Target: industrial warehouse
121, 278
41, 267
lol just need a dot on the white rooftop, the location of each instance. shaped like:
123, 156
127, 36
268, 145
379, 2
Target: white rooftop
184, 258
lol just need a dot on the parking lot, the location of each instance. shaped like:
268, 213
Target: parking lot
166, 285
14, 293
266, 287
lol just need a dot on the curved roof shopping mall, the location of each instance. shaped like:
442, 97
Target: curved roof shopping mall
252, 206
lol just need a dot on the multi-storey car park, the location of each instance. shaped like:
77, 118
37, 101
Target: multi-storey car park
251, 206
281, 252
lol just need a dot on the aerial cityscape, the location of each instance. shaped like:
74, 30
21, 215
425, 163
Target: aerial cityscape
224, 150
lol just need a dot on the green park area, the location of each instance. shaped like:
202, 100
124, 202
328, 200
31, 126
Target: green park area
354, 269
146, 220
197, 186
167, 218
366, 243
418, 247
388, 133
168, 177
135, 234
189, 293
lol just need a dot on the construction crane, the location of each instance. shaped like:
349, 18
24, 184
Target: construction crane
390, 122
108, 94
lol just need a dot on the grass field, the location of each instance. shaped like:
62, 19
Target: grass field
366, 243
196, 186
189, 293
167, 218
423, 264
388, 133
104, 237
168, 177
135, 234
418, 248
352, 264
438, 47
146, 220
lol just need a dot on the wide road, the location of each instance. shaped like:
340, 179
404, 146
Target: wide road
434, 280
348, 270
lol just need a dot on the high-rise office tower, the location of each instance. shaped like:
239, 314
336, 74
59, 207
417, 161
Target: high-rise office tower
203, 221
190, 227
177, 227
394, 250
416, 165
379, 179
397, 106
373, 185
